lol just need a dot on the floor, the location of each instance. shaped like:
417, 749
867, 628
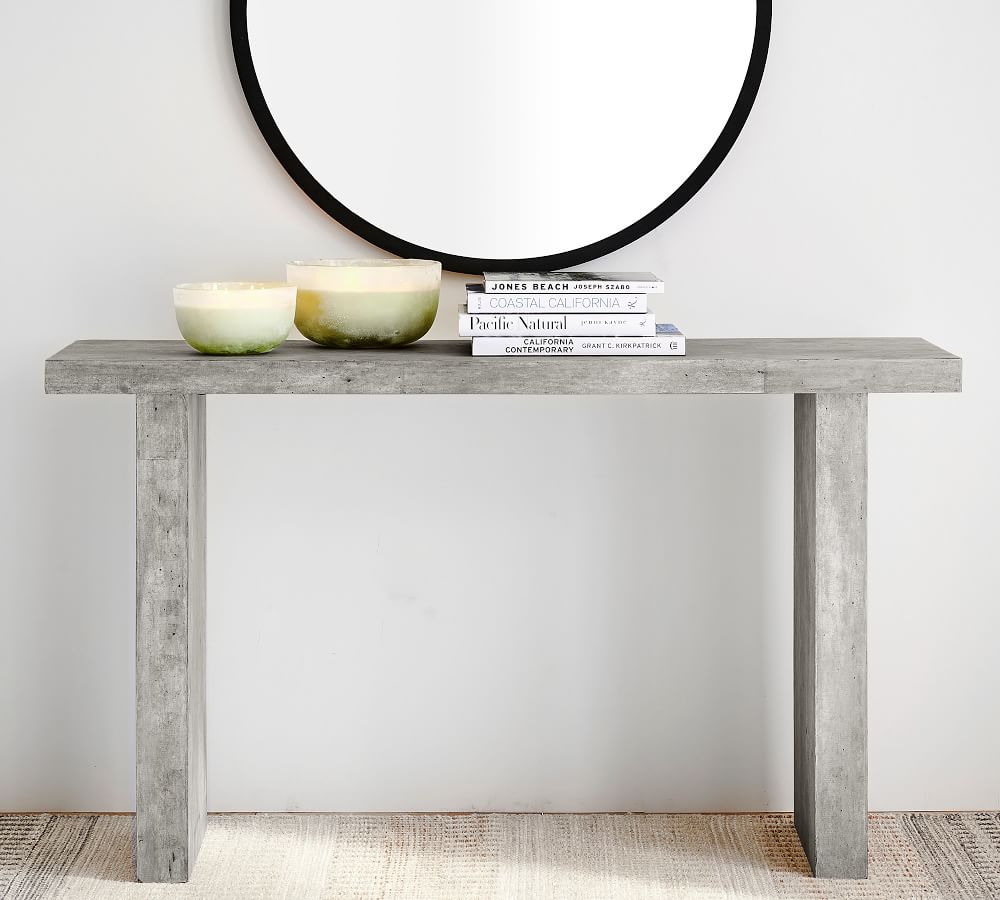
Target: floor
437, 857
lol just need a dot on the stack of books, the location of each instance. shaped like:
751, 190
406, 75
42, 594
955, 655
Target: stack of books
566, 314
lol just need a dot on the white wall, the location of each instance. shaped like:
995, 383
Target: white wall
372, 644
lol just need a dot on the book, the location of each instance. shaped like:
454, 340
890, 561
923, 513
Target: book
668, 341
571, 282
576, 324
481, 302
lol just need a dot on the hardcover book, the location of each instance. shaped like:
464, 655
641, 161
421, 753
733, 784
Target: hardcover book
668, 341
574, 324
481, 302
569, 282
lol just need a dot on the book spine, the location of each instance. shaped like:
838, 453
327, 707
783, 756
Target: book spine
478, 302
524, 324
666, 345
557, 286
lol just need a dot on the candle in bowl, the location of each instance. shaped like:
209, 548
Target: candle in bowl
365, 302
235, 317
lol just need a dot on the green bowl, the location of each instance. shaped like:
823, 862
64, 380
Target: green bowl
233, 318
365, 303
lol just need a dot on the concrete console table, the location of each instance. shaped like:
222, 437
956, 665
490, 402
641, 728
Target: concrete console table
830, 379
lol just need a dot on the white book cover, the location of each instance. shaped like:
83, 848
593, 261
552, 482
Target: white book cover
575, 324
668, 341
572, 282
481, 302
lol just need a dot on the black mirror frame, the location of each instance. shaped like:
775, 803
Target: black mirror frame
474, 265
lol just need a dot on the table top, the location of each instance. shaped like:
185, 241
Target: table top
712, 366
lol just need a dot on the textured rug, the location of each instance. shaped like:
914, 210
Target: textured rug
467, 857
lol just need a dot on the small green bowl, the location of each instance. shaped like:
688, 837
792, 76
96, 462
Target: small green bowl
233, 318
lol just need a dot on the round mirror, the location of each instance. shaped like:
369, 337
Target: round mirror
500, 134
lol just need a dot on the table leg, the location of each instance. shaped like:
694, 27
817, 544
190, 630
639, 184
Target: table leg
171, 799
830, 640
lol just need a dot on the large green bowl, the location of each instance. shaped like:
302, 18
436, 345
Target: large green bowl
365, 303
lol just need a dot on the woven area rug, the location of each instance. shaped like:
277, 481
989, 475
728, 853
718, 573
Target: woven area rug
467, 857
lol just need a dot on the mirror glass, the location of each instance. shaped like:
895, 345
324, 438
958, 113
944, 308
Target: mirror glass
488, 131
